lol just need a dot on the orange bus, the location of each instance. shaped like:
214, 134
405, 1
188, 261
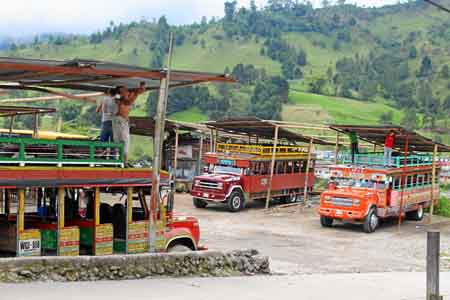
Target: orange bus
366, 191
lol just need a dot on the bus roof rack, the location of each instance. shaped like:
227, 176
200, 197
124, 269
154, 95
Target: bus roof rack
376, 135
264, 129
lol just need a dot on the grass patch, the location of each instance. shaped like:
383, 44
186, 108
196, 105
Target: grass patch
192, 115
443, 209
343, 110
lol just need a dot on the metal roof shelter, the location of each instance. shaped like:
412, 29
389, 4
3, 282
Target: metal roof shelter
7, 111
146, 127
91, 75
377, 134
261, 128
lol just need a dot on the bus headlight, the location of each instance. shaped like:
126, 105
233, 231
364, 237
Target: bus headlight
327, 198
220, 185
197, 182
356, 202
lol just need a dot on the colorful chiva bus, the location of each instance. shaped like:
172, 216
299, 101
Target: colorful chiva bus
367, 193
238, 173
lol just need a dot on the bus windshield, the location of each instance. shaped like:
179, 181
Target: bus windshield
359, 183
227, 170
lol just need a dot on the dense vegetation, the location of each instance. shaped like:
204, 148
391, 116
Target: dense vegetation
391, 59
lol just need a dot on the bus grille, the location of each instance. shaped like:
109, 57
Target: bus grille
346, 202
209, 185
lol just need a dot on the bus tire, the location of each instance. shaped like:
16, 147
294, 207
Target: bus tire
179, 248
371, 221
199, 203
416, 215
235, 201
326, 221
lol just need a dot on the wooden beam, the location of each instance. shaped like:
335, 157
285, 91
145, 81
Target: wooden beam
158, 147
272, 164
175, 161
305, 189
129, 216
61, 196
433, 181
20, 221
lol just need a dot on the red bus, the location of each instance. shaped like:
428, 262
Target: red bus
238, 173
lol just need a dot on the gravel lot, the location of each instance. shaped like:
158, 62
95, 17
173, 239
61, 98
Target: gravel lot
297, 244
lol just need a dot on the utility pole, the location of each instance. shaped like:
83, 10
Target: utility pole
158, 141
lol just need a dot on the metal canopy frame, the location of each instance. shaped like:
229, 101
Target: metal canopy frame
265, 129
91, 75
376, 135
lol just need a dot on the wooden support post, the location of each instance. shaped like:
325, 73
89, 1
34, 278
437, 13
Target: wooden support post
35, 125
200, 156
433, 182
175, 162
129, 216
216, 138
20, 220
158, 145
60, 119
96, 218
403, 180
308, 162
374, 148
272, 166
11, 124
433, 248
61, 196
211, 141
336, 149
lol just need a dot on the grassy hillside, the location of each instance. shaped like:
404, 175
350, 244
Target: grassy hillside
208, 48
307, 107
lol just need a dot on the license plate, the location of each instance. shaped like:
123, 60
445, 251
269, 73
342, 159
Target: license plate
338, 212
206, 195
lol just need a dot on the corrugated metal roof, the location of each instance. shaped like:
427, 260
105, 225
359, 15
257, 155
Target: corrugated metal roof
377, 134
92, 75
261, 128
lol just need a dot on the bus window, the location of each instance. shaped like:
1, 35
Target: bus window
420, 180
280, 167
289, 167
297, 167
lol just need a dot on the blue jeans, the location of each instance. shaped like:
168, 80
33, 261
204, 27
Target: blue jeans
387, 156
106, 134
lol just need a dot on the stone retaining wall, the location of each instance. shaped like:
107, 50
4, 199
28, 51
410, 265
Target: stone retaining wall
117, 267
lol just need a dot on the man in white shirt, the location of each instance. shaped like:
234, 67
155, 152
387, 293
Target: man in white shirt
108, 108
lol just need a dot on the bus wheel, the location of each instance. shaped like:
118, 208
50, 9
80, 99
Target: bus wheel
199, 203
179, 248
371, 221
416, 215
235, 201
326, 221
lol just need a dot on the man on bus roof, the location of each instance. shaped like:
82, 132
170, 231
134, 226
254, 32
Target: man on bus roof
121, 126
388, 145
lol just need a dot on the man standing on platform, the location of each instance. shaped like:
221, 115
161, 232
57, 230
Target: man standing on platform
121, 126
388, 145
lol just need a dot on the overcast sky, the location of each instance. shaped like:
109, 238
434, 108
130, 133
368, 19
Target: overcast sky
25, 17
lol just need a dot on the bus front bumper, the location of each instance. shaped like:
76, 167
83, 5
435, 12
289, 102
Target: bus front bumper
341, 213
209, 196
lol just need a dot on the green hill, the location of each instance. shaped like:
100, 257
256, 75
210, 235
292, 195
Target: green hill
373, 60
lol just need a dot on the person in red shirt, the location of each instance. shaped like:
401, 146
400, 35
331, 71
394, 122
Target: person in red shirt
388, 145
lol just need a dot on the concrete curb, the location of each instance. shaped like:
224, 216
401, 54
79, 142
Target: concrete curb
119, 267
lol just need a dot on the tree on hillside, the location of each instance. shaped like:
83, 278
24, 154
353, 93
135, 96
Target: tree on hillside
426, 67
386, 118
445, 72
410, 119
413, 52
268, 97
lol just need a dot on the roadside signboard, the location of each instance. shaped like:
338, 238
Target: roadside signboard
29, 243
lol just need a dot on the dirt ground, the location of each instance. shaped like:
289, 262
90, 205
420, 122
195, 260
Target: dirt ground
297, 244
